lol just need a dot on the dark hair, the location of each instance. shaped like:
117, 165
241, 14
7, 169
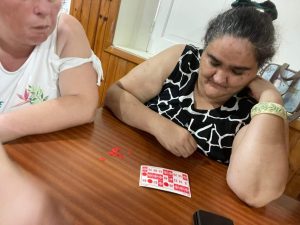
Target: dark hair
249, 23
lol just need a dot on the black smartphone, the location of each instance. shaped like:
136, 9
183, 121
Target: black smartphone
202, 217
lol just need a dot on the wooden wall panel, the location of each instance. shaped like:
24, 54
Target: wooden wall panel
75, 8
86, 7
115, 68
112, 18
93, 21
87, 12
98, 18
101, 28
295, 149
293, 186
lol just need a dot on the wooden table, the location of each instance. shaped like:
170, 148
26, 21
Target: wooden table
98, 191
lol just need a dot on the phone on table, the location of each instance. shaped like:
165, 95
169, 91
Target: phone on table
202, 217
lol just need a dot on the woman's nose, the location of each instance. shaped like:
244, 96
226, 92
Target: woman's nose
42, 7
220, 77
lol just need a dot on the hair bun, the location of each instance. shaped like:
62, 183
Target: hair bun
266, 6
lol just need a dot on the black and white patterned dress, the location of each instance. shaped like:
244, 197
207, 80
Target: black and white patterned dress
214, 129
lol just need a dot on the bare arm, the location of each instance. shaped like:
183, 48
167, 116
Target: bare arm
24, 196
258, 167
126, 99
79, 92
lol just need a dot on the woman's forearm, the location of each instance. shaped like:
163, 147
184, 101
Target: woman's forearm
258, 167
131, 111
46, 117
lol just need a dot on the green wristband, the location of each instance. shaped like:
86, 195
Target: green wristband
269, 108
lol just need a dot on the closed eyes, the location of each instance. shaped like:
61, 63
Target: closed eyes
234, 69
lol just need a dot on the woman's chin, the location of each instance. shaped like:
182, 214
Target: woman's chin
217, 96
212, 92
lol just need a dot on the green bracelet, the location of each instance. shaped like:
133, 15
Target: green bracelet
269, 108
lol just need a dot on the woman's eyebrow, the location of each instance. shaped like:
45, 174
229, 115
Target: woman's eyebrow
240, 68
232, 66
213, 57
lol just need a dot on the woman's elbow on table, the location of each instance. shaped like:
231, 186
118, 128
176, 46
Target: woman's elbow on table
109, 96
254, 197
87, 110
90, 113
113, 98
90, 116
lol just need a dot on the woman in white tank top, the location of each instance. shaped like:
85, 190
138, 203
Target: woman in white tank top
48, 73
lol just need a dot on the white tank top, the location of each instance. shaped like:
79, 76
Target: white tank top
37, 79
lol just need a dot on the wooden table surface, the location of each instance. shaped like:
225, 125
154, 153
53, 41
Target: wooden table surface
98, 191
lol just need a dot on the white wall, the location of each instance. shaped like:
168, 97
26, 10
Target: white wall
180, 21
288, 29
134, 23
65, 6
136, 16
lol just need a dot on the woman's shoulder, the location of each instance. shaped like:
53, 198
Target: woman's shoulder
67, 24
70, 33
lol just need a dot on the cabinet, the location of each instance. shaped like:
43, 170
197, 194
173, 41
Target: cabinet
99, 18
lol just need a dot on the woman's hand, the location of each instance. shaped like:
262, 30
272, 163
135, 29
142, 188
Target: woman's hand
264, 91
176, 139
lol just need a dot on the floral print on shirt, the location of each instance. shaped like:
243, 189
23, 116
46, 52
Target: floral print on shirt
32, 95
